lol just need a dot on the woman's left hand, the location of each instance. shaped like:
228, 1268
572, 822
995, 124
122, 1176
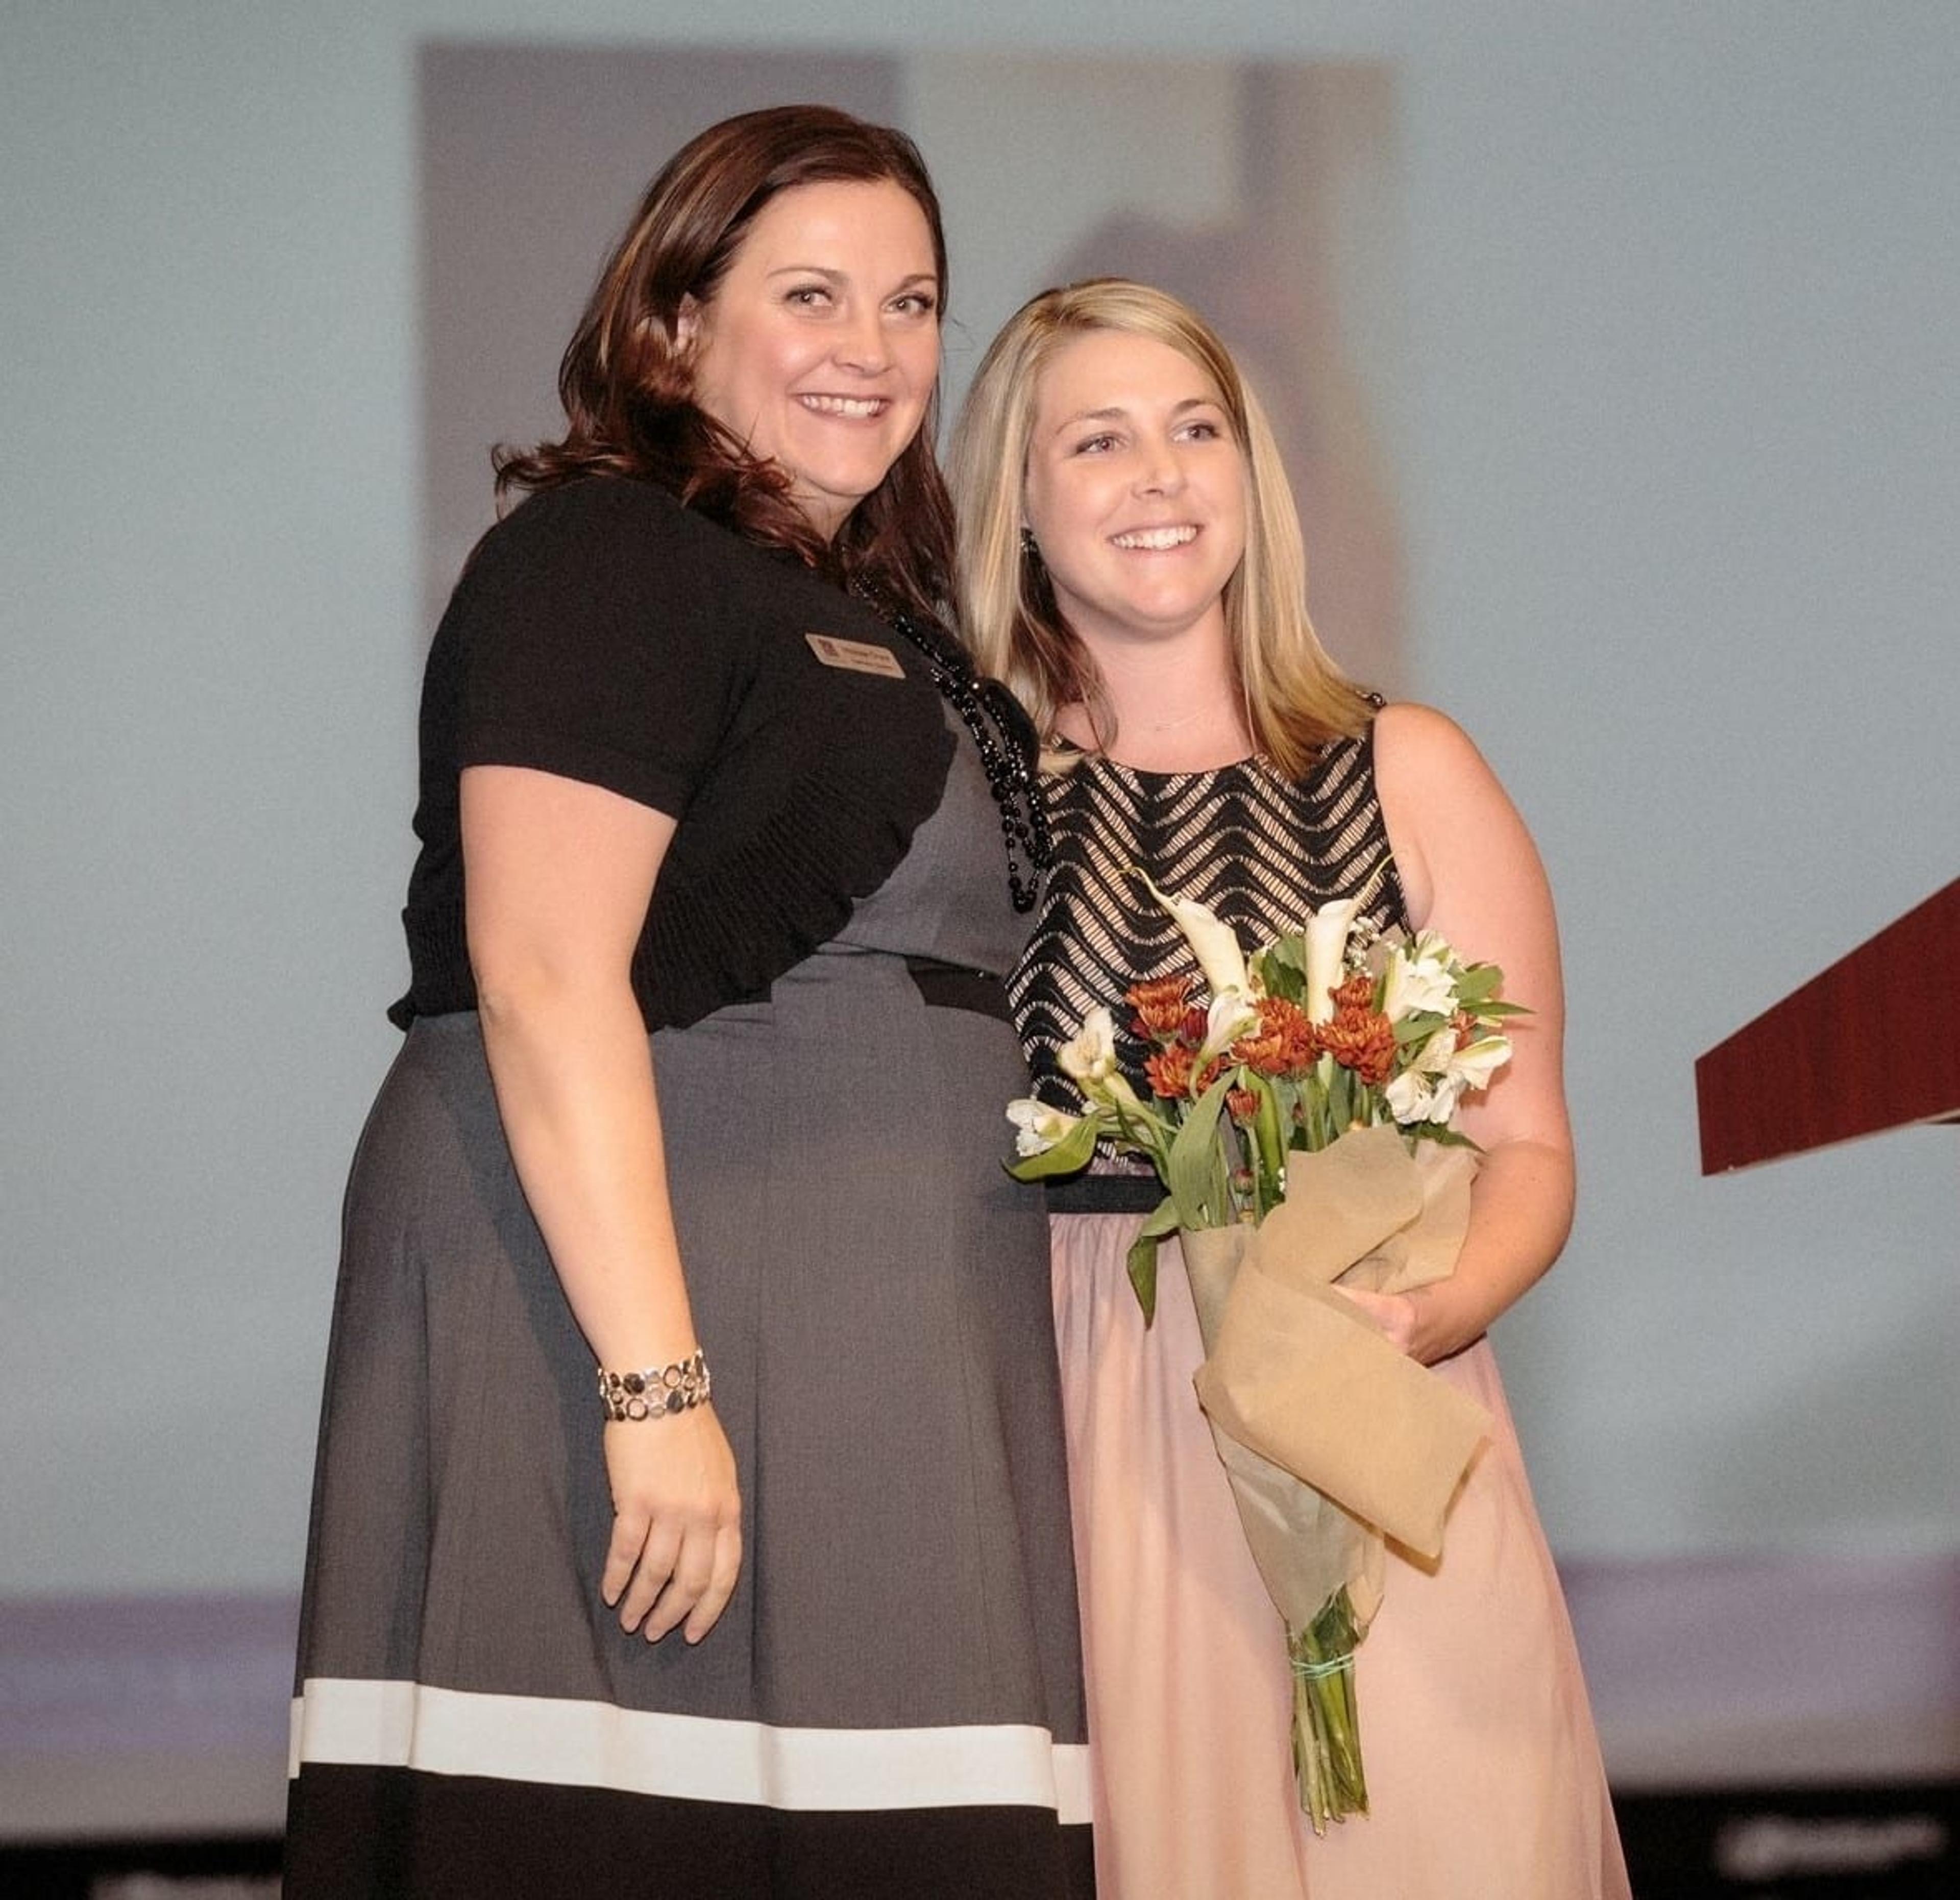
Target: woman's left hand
1393, 1315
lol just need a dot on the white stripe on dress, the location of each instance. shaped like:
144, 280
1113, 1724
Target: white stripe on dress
555, 1741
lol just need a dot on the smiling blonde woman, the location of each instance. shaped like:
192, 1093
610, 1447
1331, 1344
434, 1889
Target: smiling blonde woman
1132, 565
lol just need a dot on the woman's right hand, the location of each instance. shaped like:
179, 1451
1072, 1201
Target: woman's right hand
676, 1545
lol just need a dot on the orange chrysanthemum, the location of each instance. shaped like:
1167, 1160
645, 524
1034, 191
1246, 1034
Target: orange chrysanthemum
1358, 1036
1242, 1105
1283, 1044
1159, 1004
1169, 1071
1357, 992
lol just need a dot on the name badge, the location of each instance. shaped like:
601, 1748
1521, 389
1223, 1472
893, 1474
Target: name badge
855, 656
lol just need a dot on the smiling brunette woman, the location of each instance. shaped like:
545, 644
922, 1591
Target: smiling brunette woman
1131, 565
690, 1508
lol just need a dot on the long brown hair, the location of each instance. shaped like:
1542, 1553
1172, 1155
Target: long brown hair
628, 387
1296, 699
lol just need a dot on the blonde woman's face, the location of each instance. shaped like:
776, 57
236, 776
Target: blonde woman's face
1134, 490
820, 346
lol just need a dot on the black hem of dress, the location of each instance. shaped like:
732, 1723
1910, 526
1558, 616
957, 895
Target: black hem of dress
367, 1833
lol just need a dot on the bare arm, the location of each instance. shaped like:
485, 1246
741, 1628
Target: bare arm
1470, 870
558, 877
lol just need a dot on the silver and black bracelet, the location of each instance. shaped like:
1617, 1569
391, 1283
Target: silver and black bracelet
657, 1391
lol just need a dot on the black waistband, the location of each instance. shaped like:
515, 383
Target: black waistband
945, 986
1105, 1194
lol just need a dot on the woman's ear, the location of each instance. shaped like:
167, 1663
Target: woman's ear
687, 325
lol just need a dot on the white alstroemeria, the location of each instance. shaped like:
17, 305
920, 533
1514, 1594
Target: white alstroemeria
1432, 1085
1474, 1064
1413, 1097
1327, 955
1418, 979
1037, 1127
1408, 1096
1415, 1094
1212, 941
1091, 1057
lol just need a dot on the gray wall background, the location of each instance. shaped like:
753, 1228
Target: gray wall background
1677, 448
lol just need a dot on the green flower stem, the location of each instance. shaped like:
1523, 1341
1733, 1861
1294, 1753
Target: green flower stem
1268, 1144
1326, 1725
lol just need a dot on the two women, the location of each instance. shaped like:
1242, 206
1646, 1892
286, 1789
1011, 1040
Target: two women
690, 1511
1132, 567
781, 1601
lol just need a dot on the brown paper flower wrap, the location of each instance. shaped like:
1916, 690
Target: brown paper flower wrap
1331, 1438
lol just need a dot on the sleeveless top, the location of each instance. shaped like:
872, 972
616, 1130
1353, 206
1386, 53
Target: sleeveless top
1261, 851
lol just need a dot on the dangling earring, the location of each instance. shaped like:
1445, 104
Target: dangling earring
1030, 550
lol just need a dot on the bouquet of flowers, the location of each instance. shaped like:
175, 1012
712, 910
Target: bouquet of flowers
1299, 1117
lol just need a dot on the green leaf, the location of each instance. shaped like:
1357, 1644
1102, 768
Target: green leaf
1341, 1102
1444, 1135
1195, 1166
1417, 1028
1142, 1259
1282, 968
1068, 1156
1479, 984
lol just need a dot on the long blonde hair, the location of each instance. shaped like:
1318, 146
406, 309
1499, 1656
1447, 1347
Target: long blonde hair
1296, 699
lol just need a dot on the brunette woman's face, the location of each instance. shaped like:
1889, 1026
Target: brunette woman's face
819, 347
1134, 488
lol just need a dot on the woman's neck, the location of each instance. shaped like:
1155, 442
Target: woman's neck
1175, 707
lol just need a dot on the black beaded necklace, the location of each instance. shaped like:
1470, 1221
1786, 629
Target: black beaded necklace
1004, 738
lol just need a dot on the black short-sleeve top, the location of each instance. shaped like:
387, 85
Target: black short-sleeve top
605, 633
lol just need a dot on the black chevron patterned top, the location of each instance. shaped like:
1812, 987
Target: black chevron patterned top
1260, 851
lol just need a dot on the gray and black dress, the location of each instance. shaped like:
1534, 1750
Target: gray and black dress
892, 1702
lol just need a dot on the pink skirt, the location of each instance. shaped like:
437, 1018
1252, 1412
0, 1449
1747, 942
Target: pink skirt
1485, 1778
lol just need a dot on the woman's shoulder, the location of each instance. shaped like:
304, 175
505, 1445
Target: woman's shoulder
596, 509
1420, 745
585, 525
1409, 723
1443, 804
605, 546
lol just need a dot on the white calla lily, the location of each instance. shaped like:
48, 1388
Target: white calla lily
1212, 941
1326, 955
1232, 1013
